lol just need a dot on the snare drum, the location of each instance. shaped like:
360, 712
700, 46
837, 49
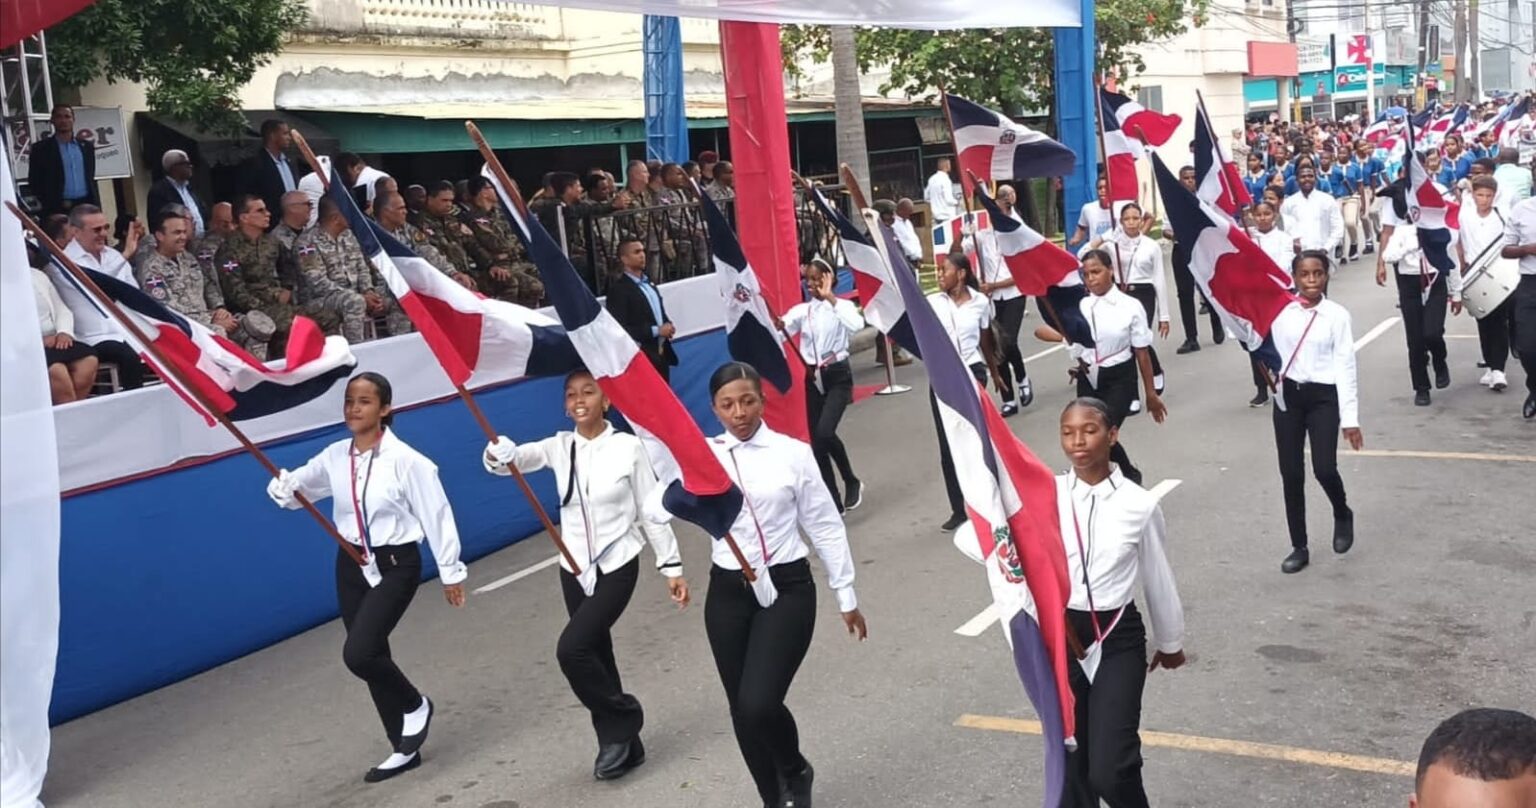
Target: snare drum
1490, 282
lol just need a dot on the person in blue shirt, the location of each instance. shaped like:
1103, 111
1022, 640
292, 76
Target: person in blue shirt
1457, 161
1362, 175
1487, 146
1257, 177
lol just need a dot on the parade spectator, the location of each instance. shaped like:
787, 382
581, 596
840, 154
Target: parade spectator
172, 276
336, 275
89, 250
248, 275
505, 271
71, 365
723, 189
268, 172
940, 193
636, 303
176, 188
62, 171
1482, 757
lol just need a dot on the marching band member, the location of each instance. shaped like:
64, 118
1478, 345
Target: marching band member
758, 648
603, 478
1311, 214
966, 315
1423, 319
1008, 304
1114, 536
1317, 398
1096, 218
1137, 265
1281, 247
386, 499
1520, 242
1482, 231
1122, 342
825, 324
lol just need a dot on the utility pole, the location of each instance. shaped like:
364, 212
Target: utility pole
1423, 49
1459, 47
1370, 67
1474, 60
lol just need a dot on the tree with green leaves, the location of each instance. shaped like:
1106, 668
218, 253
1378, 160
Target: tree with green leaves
1009, 69
193, 56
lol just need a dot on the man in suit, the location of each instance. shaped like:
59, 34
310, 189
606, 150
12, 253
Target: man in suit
636, 303
175, 188
268, 173
62, 168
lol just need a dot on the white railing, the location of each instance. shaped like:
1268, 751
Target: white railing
460, 18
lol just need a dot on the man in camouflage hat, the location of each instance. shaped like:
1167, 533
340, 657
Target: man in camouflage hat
392, 213
336, 275
506, 273
170, 275
247, 263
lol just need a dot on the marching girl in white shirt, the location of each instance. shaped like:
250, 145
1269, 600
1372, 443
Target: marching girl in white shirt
966, 315
1114, 536
1122, 343
1137, 264
603, 478
1423, 320
1281, 247
1317, 399
825, 324
758, 648
386, 500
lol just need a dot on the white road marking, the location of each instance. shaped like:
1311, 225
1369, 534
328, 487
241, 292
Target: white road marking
1376, 332
976, 626
1044, 353
517, 576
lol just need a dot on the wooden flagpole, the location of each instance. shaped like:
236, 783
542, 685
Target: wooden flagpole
469, 401
1098, 116
494, 163
166, 368
1045, 302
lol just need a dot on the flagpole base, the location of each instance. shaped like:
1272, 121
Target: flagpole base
893, 389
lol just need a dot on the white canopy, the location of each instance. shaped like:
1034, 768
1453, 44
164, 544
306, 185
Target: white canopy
934, 14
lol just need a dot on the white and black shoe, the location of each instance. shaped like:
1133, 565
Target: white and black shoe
414, 732
396, 765
854, 497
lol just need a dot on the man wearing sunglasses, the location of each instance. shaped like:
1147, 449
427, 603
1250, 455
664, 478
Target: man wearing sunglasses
91, 249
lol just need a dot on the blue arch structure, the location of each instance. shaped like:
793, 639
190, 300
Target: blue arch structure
666, 120
1076, 126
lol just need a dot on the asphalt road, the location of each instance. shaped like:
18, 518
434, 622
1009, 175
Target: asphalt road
1305, 690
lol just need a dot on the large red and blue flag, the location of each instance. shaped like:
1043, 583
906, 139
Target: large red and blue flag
1218, 180
1446, 124
1042, 269
1434, 216
877, 291
995, 147
468, 333
697, 488
235, 383
1014, 530
1121, 151
1151, 128
749, 331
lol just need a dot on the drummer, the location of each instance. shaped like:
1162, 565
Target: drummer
1481, 232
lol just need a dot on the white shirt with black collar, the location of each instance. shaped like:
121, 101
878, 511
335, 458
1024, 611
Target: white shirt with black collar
602, 500
824, 329
964, 322
1119, 326
401, 497
1318, 345
1123, 540
785, 496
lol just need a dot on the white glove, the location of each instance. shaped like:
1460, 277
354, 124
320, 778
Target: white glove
282, 488
499, 455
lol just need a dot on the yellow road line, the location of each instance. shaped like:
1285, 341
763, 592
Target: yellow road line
1343, 453
1221, 746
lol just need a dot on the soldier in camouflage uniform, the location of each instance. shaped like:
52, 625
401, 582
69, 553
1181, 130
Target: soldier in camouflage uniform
170, 275
337, 276
295, 222
248, 261
393, 215
685, 225
642, 225
505, 271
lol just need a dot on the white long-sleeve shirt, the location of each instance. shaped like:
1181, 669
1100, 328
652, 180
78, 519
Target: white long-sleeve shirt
784, 495
906, 236
53, 317
940, 193
1314, 218
1478, 233
601, 519
1279, 245
1520, 230
824, 329
91, 325
993, 269
1136, 261
1119, 326
1325, 356
1403, 252
401, 497
1123, 543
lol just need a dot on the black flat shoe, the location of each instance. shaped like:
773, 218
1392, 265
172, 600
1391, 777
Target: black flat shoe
409, 744
854, 496
1296, 561
1442, 377
1344, 532
1421, 398
1259, 399
797, 789
953, 522
615, 760
1219, 337
377, 775
1189, 346
1529, 410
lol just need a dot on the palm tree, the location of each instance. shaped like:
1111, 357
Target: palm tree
852, 148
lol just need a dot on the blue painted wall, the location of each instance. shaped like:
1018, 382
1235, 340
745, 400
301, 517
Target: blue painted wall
171, 575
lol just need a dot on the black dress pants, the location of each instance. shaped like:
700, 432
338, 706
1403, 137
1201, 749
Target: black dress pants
1146, 294
1311, 412
947, 460
130, 369
825, 408
1423, 326
757, 652
369, 614
1189, 315
1107, 762
1010, 317
1493, 335
1117, 388
585, 651
1525, 329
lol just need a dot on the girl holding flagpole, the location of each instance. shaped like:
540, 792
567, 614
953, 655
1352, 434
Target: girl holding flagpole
1316, 399
966, 315
760, 632
1114, 536
386, 500
603, 478
1138, 269
1122, 344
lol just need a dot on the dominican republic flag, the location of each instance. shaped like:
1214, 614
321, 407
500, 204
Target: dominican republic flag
749, 331
1121, 151
1513, 111
467, 333
872, 277
994, 147
697, 488
950, 235
1151, 128
237, 384
1434, 216
1014, 530
1036, 263
1421, 119
1446, 124
1379, 131
1218, 179
1243, 284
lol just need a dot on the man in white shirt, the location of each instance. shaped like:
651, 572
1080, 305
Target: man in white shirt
1514, 181
89, 250
1008, 305
1520, 242
940, 193
1482, 232
1312, 216
906, 234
